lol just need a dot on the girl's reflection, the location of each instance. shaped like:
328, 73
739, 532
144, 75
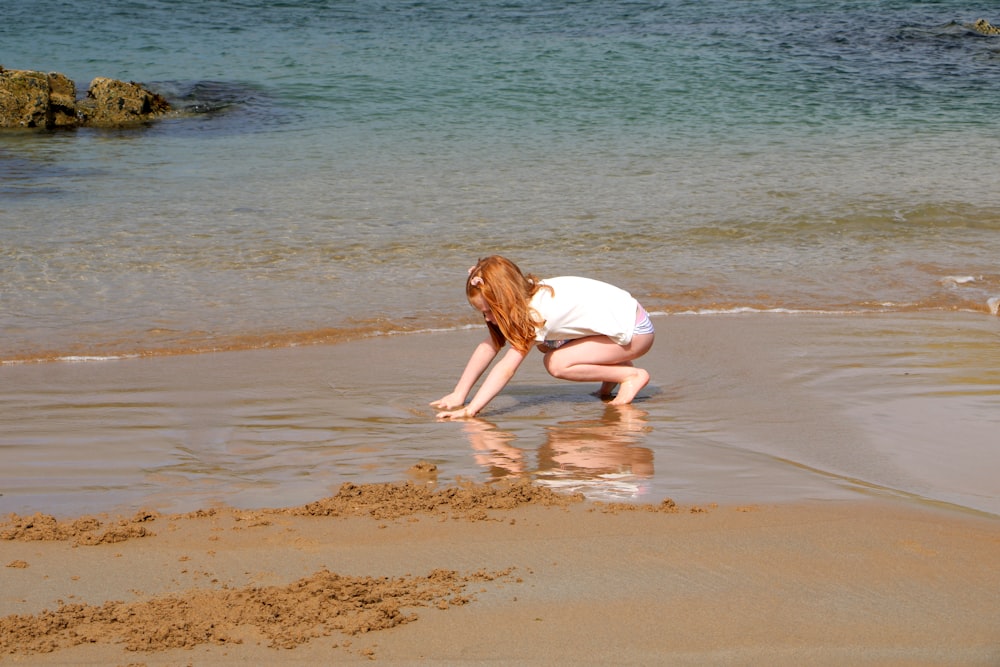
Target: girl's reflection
584, 450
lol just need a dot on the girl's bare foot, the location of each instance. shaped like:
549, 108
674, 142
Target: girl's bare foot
631, 386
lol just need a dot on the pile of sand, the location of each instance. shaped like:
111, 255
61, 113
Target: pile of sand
506, 571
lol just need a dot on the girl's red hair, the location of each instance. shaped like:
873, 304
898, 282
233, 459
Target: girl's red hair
507, 291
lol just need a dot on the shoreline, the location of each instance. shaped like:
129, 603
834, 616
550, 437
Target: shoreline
461, 572
328, 336
741, 408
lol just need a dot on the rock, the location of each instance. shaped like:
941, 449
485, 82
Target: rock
62, 101
30, 99
112, 102
984, 27
24, 99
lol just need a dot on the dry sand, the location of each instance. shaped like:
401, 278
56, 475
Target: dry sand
507, 573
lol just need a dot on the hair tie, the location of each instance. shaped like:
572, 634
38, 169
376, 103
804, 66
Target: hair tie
478, 280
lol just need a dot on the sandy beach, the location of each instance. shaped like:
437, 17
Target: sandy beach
789, 490
221, 332
509, 573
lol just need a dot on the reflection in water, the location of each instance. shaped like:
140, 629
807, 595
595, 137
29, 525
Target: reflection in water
493, 449
599, 457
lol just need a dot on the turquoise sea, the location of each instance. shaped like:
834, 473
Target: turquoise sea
334, 166
343, 163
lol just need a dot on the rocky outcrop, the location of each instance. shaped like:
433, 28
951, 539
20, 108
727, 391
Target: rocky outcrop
62, 101
24, 99
30, 99
984, 27
111, 102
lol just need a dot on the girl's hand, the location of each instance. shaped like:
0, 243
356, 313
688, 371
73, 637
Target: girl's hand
463, 413
449, 402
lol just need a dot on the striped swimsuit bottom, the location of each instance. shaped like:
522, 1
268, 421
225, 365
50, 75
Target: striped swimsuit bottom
642, 323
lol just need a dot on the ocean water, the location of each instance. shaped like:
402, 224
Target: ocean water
333, 168
336, 166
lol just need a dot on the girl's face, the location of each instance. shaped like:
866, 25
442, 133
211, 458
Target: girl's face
479, 303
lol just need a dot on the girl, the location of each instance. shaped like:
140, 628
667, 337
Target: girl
589, 331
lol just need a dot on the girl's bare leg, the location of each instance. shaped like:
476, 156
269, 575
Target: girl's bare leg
605, 392
600, 359
629, 388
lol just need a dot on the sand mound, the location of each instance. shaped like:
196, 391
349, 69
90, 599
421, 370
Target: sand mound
286, 616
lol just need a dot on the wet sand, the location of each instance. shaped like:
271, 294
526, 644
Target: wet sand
400, 574
831, 483
741, 408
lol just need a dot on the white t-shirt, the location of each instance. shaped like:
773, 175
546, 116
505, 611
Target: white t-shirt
584, 307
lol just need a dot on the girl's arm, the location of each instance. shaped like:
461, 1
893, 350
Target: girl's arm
478, 362
497, 379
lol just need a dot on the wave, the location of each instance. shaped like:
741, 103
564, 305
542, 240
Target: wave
990, 306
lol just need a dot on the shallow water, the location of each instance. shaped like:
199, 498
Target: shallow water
338, 165
335, 167
742, 409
